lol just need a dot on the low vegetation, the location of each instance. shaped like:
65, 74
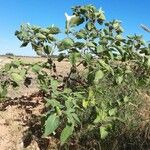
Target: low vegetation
99, 103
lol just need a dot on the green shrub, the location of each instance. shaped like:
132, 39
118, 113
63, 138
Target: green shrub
101, 97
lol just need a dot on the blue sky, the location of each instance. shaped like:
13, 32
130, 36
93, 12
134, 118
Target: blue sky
13, 13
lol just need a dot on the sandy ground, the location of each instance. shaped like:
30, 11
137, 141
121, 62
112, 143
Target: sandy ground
13, 123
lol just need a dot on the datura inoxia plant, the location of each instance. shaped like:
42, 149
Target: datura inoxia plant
93, 96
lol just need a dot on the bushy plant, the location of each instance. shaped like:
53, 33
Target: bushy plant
98, 97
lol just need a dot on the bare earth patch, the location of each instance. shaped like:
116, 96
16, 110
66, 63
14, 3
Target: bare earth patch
20, 128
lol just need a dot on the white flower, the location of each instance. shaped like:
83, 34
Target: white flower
68, 20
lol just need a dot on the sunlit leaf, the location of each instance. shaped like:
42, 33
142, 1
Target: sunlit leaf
51, 124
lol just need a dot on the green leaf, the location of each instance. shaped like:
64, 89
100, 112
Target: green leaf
3, 92
90, 44
98, 75
16, 63
75, 116
79, 45
89, 26
61, 57
53, 30
24, 44
100, 16
73, 58
16, 77
126, 99
51, 38
75, 21
66, 133
43, 30
112, 111
23, 72
53, 103
47, 49
116, 25
100, 49
7, 67
40, 36
36, 68
54, 85
106, 66
51, 124
37, 48
81, 34
119, 79
119, 37
103, 132
85, 103
66, 44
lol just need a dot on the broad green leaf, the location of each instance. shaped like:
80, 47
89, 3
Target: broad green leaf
112, 111
119, 37
44, 30
90, 44
89, 26
36, 68
41, 36
116, 25
98, 75
16, 63
66, 44
37, 48
103, 132
85, 103
23, 72
81, 34
3, 92
120, 30
97, 119
66, 133
126, 99
53, 103
106, 66
70, 118
51, 38
53, 30
47, 49
75, 116
100, 16
75, 21
101, 116
51, 124
17, 77
100, 49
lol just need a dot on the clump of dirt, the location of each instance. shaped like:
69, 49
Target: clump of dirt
20, 125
